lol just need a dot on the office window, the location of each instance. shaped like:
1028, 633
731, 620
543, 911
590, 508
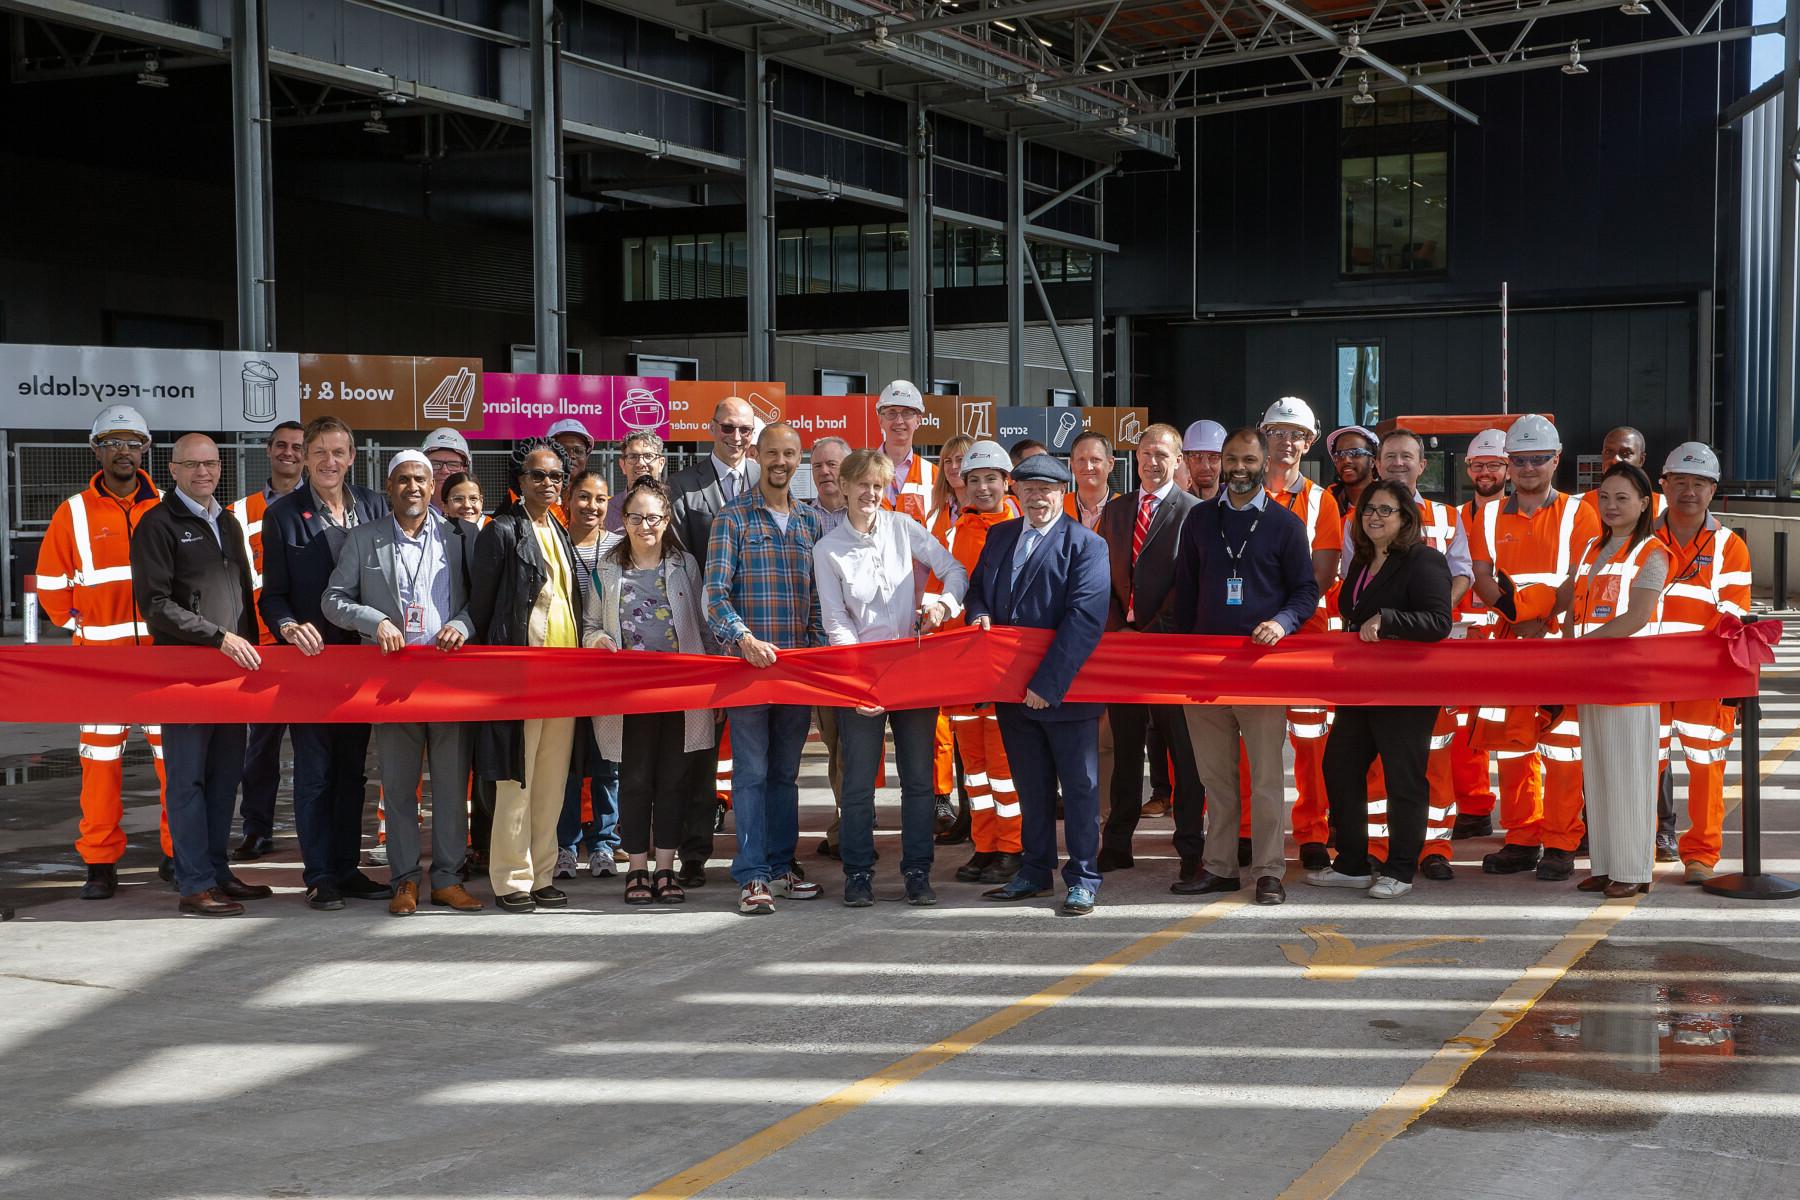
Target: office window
1080, 267
1049, 260
662, 366
946, 387
963, 265
840, 383
1359, 383
818, 260
790, 261
990, 266
1063, 398
631, 267
709, 262
899, 265
874, 258
737, 265
940, 255
1394, 186
682, 253
846, 255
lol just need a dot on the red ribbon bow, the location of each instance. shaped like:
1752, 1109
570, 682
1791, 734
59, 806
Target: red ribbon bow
1752, 643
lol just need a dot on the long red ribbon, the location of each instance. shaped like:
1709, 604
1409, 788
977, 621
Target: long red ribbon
174, 684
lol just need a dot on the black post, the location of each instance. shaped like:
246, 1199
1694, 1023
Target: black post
1781, 596
1751, 883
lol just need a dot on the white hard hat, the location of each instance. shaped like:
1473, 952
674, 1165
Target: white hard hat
1689, 458
1489, 443
986, 456
1292, 410
900, 394
1204, 437
119, 418
571, 425
1532, 433
446, 438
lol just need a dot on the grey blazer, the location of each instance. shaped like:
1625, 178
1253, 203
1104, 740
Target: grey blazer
364, 589
683, 576
697, 500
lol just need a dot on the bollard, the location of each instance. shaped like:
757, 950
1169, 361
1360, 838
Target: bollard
1781, 593
29, 610
1751, 883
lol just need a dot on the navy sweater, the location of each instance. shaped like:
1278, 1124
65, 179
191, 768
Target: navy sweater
1276, 567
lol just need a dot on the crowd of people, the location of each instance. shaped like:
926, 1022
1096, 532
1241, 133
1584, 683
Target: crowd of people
1223, 535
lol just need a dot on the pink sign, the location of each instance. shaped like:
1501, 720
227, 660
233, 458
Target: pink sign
610, 406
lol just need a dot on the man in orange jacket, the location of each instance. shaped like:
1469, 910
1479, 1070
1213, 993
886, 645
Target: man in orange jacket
84, 585
1485, 464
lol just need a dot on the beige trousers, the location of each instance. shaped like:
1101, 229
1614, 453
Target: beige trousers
1215, 730
522, 852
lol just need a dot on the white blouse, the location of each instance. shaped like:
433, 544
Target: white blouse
870, 584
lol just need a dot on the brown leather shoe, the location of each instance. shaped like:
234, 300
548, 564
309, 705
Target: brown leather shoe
406, 900
455, 896
236, 889
212, 903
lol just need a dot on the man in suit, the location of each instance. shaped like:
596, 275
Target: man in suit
303, 533
1142, 532
190, 577
699, 493
404, 581
1048, 571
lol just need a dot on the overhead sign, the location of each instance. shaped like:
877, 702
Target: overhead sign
1122, 426
948, 416
610, 407
177, 391
691, 404
849, 417
391, 391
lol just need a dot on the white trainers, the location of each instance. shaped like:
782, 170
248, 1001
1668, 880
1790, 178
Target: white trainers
600, 864
1388, 889
794, 887
565, 864
1329, 877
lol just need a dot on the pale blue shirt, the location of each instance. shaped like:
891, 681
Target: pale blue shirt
422, 577
209, 515
1029, 542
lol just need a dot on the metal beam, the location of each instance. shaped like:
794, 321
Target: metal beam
878, 31
1785, 265
920, 295
548, 310
759, 210
1751, 101
1098, 289
1326, 33
1015, 268
1037, 283
1069, 191
251, 192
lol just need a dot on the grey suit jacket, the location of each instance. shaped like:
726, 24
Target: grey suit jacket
1153, 575
365, 590
698, 499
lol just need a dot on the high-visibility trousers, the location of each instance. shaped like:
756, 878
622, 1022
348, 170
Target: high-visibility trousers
1559, 747
943, 758
1307, 730
722, 777
1440, 780
1514, 735
1704, 728
993, 799
101, 750
1469, 768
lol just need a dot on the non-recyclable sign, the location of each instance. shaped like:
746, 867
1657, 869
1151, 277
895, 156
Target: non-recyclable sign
390, 391
177, 391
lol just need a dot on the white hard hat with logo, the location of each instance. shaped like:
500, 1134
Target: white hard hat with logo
986, 456
446, 438
900, 394
1292, 410
1533, 434
1690, 458
571, 425
1203, 437
1488, 444
119, 418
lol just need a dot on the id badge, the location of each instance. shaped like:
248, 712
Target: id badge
1234, 590
415, 618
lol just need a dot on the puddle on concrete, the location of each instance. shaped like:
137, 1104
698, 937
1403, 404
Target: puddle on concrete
1646, 1036
16, 769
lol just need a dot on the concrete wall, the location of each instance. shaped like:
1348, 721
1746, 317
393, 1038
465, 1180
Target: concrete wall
1759, 521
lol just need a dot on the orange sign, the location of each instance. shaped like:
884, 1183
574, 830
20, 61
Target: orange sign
1122, 426
691, 404
384, 391
849, 417
947, 416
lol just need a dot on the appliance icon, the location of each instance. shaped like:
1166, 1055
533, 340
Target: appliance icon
451, 398
642, 409
259, 390
976, 420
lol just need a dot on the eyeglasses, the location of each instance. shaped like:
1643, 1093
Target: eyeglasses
644, 457
1351, 454
735, 430
645, 520
1486, 466
537, 476
120, 444
1287, 435
196, 464
899, 414
1384, 511
1529, 460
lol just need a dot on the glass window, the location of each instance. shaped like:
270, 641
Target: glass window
874, 258
709, 267
681, 254
737, 265
1049, 260
1359, 383
656, 269
790, 261
846, 254
632, 268
899, 264
1393, 186
964, 266
818, 260
1080, 268
990, 266
940, 255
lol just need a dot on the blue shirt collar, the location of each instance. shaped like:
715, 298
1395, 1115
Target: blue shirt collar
1258, 499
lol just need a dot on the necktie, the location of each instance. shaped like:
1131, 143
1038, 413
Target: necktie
1027, 544
1145, 507
728, 485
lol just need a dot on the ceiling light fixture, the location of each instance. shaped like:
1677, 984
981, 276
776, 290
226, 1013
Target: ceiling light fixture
1352, 47
375, 124
1573, 66
1032, 95
1122, 128
1006, 25
1107, 67
881, 33
1363, 95
1635, 8
150, 76
661, 148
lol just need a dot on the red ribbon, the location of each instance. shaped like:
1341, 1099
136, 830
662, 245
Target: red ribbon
1752, 643
117, 685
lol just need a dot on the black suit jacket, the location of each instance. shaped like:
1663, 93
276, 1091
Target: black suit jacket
697, 499
300, 549
1154, 573
1411, 595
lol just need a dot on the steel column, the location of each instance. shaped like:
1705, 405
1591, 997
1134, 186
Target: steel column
1097, 391
1785, 313
548, 315
1121, 397
1015, 268
759, 209
1062, 348
919, 290
251, 175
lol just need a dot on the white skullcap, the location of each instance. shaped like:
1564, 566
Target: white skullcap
408, 456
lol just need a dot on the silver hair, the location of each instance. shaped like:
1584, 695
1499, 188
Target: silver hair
827, 441
643, 437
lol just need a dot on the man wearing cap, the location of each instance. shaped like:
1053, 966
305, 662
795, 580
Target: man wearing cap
286, 448
84, 585
900, 408
1352, 451
448, 452
1201, 446
404, 581
1485, 466
1048, 572
1709, 576
577, 443
1535, 538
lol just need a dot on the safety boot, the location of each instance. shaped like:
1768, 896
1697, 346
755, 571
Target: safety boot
102, 881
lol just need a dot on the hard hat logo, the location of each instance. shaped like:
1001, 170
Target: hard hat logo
1292, 410
1532, 432
1693, 458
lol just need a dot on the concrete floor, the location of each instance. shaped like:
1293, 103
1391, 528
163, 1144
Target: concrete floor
600, 1051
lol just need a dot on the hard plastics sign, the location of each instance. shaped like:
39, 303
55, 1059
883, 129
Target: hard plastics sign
389, 391
610, 407
177, 391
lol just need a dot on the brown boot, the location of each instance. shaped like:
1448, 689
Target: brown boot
406, 900
455, 896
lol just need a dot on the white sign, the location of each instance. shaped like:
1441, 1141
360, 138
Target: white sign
178, 391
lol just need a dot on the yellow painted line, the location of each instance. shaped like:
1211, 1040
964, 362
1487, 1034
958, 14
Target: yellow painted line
1771, 762
1438, 1074
785, 1132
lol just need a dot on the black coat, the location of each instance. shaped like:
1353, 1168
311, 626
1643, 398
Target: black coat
300, 549
1411, 595
192, 589
1146, 587
507, 575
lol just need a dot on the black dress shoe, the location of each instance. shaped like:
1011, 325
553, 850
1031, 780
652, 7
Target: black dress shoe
551, 897
102, 881
1002, 868
1205, 884
236, 889
1470, 826
1190, 870
253, 847
1244, 852
1270, 891
1556, 865
358, 886
970, 872
1436, 866
1510, 859
166, 871
325, 897
1114, 859
692, 873
515, 902
1314, 857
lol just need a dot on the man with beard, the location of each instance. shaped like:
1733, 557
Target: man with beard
1200, 448
1352, 451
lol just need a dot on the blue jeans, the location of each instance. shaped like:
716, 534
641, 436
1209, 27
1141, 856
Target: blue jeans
766, 743
204, 764
859, 745
604, 834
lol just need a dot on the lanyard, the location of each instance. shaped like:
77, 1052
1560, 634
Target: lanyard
1242, 546
1693, 567
412, 582
1362, 583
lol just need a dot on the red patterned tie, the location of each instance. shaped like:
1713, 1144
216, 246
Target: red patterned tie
1137, 547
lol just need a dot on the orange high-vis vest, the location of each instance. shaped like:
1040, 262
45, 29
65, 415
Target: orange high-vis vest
249, 513
84, 566
969, 535
912, 494
1708, 576
1317, 509
1072, 507
1539, 552
1472, 611
1603, 589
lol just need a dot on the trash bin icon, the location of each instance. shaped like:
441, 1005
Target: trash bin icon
259, 390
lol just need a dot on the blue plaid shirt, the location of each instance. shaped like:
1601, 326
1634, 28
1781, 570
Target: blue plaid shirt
759, 580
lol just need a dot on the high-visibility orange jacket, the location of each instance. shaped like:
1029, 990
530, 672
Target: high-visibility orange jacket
1603, 589
1072, 507
969, 535
912, 494
1472, 610
84, 567
1708, 575
1539, 552
1317, 509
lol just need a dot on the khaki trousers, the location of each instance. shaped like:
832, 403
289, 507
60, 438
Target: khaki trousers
522, 849
1215, 730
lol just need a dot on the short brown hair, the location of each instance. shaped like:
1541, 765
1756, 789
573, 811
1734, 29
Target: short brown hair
620, 552
1091, 435
1405, 540
318, 427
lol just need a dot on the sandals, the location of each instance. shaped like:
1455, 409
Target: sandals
638, 889
666, 891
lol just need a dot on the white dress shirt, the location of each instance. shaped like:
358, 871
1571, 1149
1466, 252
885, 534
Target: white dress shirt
868, 588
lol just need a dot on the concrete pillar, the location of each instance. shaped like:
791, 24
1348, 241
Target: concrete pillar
1015, 269
251, 175
759, 210
548, 308
919, 295
1785, 309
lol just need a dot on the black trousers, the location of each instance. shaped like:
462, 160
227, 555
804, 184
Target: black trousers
702, 804
203, 763
1401, 737
656, 782
1131, 724
330, 786
1156, 746
262, 779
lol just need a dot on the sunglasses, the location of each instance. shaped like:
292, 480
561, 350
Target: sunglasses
537, 476
1529, 460
736, 430
1338, 454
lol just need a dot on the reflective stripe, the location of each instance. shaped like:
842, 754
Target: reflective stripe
1559, 753
103, 633
721, 785
1698, 730
78, 519
1681, 627
1002, 784
979, 780
52, 583
724, 764
1732, 579
100, 575
980, 803
1442, 741
1492, 714
1514, 753
104, 730
1695, 754
1006, 811
1623, 565
101, 753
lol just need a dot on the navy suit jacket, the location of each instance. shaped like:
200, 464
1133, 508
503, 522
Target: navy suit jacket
1064, 587
300, 548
